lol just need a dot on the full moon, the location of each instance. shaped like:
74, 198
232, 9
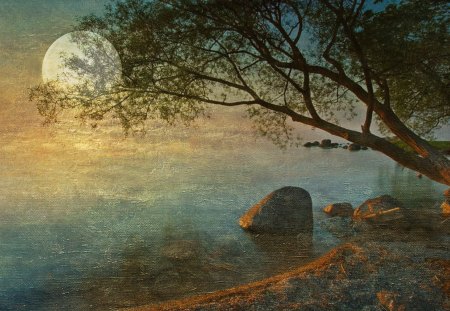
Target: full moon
82, 57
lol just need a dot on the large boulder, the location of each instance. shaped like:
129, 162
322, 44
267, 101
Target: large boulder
382, 208
339, 209
286, 210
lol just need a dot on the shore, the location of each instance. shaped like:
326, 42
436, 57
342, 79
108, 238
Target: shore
384, 273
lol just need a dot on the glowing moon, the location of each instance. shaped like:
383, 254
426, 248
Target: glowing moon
82, 57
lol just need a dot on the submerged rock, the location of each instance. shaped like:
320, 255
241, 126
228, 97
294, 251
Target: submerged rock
180, 250
339, 209
285, 210
340, 227
382, 208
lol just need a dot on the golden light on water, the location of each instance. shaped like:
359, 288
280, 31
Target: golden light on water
82, 57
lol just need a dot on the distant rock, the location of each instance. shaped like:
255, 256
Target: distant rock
315, 143
354, 147
345, 147
380, 209
334, 145
339, 209
325, 143
308, 144
285, 210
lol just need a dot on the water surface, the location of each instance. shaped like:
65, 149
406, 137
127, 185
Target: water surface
95, 227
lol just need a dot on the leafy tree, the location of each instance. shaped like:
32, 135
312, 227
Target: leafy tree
286, 61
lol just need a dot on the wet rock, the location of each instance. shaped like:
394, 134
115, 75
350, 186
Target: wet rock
315, 143
326, 143
339, 209
445, 207
308, 144
380, 209
389, 300
354, 147
345, 147
364, 148
447, 193
285, 210
334, 145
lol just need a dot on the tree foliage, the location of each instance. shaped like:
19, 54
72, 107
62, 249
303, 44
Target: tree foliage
284, 60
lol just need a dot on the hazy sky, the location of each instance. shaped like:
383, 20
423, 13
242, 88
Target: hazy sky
27, 28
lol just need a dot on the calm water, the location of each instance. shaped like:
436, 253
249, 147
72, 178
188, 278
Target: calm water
86, 230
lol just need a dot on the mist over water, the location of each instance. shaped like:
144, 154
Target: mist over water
90, 220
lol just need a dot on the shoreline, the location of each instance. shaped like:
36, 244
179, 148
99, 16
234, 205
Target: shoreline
365, 275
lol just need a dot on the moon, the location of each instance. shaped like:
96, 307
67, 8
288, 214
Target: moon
82, 58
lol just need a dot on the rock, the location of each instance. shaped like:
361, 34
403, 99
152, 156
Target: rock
445, 207
345, 147
354, 147
326, 143
315, 143
334, 145
285, 210
447, 193
339, 209
364, 148
308, 144
389, 301
380, 209
180, 250
340, 227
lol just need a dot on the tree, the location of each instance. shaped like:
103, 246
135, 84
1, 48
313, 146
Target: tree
286, 61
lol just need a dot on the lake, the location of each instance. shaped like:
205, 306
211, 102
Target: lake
88, 223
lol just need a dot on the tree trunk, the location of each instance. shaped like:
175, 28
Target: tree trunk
435, 166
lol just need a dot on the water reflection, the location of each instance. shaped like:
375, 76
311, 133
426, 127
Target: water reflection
284, 251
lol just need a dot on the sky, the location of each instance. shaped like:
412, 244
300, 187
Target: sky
27, 29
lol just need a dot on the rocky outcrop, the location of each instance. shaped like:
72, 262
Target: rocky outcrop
285, 210
382, 208
356, 276
339, 209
